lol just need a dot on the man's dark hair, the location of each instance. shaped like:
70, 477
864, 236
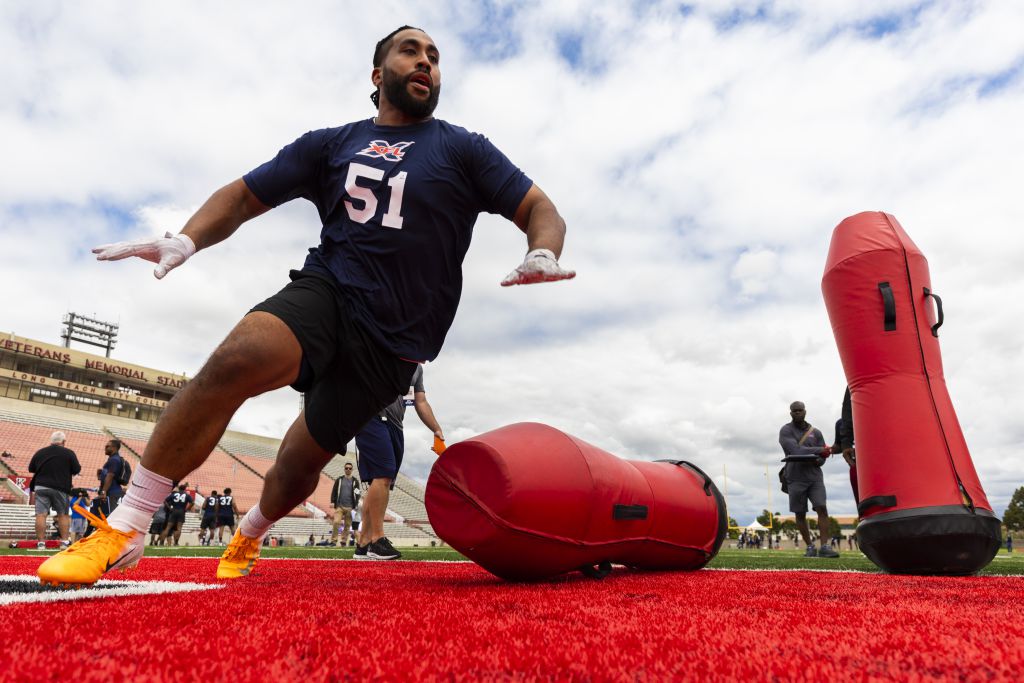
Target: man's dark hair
116, 443
383, 45
227, 492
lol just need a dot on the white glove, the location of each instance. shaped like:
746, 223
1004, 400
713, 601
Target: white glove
540, 265
167, 252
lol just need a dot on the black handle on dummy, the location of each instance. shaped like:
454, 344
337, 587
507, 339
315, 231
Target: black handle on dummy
938, 308
889, 302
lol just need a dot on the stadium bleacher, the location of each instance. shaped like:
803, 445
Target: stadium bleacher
134, 439
240, 462
10, 494
23, 440
238, 444
336, 467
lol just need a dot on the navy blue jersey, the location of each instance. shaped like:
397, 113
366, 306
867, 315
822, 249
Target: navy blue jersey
225, 506
398, 205
178, 500
210, 506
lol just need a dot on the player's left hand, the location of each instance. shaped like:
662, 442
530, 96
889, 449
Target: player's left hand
540, 265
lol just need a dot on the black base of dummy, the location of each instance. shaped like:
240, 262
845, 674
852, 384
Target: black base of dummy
942, 541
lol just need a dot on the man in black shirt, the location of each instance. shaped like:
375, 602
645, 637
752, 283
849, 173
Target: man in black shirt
845, 442
53, 468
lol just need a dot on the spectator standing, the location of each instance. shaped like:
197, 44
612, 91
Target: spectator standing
79, 525
52, 468
344, 497
381, 446
805, 452
1009, 542
111, 481
845, 442
357, 520
227, 514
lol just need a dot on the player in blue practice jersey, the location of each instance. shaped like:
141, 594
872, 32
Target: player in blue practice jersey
209, 519
227, 514
179, 502
398, 195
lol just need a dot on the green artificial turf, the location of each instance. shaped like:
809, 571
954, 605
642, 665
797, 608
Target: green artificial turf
727, 558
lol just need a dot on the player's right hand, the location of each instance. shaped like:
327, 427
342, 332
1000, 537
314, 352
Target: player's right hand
167, 252
540, 265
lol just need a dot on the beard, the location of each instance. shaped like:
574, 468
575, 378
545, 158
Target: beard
396, 89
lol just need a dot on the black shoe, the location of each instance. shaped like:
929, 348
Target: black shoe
381, 549
360, 553
826, 551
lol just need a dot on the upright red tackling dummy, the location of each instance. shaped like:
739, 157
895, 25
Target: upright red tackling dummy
529, 502
922, 508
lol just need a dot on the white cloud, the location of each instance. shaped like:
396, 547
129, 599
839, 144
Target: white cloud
700, 171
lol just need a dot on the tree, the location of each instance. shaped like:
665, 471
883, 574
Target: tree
834, 530
769, 520
1013, 518
734, 533
833, 526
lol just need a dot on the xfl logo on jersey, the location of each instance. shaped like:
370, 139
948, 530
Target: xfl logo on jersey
381, 149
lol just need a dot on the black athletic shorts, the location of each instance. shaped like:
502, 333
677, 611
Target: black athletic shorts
176, 517
207, 522
226, 521
346, 376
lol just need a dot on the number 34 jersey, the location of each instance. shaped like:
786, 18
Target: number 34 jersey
398, 205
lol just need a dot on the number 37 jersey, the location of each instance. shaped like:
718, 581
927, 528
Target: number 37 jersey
397, 205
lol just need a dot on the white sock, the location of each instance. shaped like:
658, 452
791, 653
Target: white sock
254, 524
146, 493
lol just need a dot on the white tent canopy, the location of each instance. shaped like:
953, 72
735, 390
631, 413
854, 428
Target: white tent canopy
755, 526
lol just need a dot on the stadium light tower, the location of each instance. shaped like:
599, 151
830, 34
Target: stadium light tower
89, 331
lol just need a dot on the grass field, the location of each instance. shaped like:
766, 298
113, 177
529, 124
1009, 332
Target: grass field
1004, 564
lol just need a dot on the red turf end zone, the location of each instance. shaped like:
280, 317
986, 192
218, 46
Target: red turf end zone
337, 620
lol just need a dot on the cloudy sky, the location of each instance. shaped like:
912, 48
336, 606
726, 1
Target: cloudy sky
701, 155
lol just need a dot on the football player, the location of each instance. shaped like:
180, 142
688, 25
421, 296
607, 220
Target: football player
398, 195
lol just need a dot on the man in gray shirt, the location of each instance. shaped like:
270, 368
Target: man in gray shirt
344, 497
805, 452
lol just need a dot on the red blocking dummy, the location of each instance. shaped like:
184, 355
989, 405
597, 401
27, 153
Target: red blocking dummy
528, 502
922, 508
